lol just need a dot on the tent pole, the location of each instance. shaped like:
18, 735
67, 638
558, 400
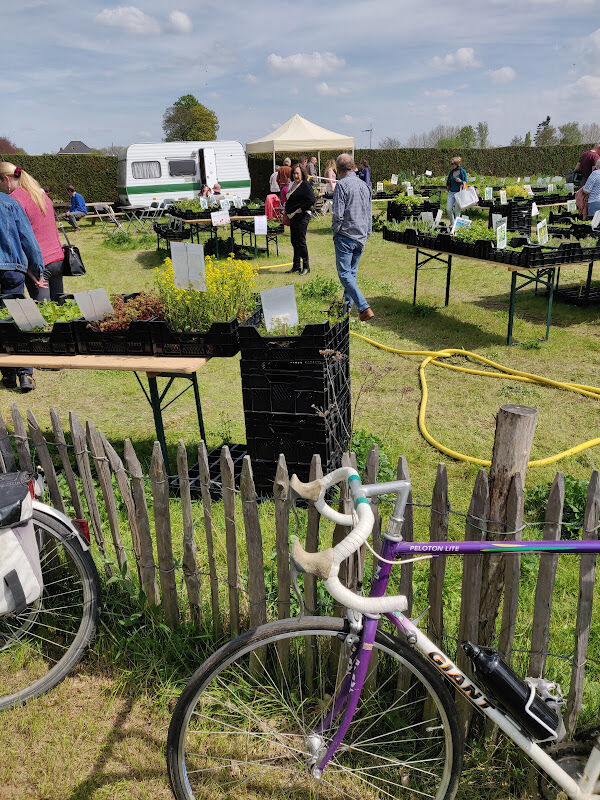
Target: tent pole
273, 156
319, 158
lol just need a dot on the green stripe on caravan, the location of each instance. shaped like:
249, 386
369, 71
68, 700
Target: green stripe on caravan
178, 187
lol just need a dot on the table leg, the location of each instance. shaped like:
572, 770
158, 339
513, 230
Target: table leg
511, 307
588, 283
448, 275
194, 379
550, 298
416, 277
158, 420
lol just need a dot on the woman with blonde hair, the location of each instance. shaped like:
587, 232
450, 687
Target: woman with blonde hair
330, 178
39, 209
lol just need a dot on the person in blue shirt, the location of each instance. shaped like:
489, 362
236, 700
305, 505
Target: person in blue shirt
457, 178
19, 252
77, 209
364, 172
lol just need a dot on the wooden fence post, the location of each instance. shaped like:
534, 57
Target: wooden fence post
281, 494
190, 569
256, 570
164, 543
587, 574
61, 446
512, 570
6, 450
231, 540
544, 589
204, 474
106, 487
41, 448
478, 514
438, 532
138, 491
20, 434
515, 427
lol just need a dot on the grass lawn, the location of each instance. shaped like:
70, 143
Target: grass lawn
110, 746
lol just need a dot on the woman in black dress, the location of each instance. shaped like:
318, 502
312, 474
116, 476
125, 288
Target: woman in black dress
298, 206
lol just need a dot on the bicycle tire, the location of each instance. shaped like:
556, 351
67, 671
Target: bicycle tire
43, 644
209, 757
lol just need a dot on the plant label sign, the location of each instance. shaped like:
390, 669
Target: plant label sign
571, 206
595, 220
429, 173
410, 191
279, 307
220, 217
380, 186
427, 218
224, 205
503, 196
94, 304
211, 199
542, 231
534, 210
501, 235
550, 187
527, 179
528, 189
438, 216
204, 203
188, 265
460, 222
518, 180
498, 219
260, 226
237, 201
569, 188
26, 314
394, 179
489, 192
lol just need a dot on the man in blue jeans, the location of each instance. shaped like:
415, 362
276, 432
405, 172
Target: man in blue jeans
19, 252
351, 225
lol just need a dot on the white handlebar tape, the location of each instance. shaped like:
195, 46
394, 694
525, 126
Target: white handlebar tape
366, 605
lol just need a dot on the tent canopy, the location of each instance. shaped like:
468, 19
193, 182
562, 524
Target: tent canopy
298, 135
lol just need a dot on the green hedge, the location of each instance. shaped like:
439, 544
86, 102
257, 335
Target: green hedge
95, 177
500, 161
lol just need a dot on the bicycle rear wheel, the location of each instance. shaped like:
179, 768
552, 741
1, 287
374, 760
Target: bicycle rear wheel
41, 645
244, 727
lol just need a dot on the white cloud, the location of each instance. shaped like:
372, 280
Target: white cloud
144, 134
250, 78
438, 93
130, 19
310, 65
591, 46
463, 58
442, 109
586, 88
325, 90
179, 22
502, 75
349, 120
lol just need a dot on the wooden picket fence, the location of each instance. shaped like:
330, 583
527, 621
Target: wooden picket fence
96, 476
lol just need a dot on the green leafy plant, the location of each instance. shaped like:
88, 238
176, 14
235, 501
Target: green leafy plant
477, 230
52, 312
145, 306
536, 501
323, 288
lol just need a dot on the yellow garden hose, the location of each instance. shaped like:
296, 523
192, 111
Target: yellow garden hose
435, 356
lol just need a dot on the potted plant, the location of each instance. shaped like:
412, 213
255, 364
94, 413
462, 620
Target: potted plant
125, 332
57, 338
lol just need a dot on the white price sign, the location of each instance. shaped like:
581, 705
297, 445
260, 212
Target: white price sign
279, 306
571, 206
501, 235
409, 191
25, 313
188, 265
94, 305
534, 210
394, 179
550, 187
219, 218
503, 196
380, 186
542, 231
489, 192
260, 226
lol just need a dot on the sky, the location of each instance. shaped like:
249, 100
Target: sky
104, 73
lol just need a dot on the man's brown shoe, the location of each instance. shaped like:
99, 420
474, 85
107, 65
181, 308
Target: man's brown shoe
366, 314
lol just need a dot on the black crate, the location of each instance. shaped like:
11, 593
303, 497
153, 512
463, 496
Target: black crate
58, 341
307, 346
396, 212
135, 341
576, 295
220, 340
264, 471
237, 452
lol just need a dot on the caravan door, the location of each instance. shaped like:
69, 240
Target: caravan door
208, 166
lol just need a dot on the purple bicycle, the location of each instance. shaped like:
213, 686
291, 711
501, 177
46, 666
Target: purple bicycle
338, 708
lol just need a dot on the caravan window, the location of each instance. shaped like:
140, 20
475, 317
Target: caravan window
146, 169
178, 169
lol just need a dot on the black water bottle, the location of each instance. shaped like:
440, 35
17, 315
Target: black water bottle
511, 692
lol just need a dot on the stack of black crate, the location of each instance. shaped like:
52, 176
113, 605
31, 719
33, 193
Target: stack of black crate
296, 395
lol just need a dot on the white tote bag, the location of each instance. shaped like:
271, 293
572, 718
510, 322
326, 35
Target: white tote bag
466, 198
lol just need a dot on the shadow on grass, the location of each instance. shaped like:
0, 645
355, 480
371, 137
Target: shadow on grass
150, 259
430, 327
532, 307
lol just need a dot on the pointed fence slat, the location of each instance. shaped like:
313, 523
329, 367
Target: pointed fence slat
204, 474
438, 532
544, 589
6, 450
164, 541
312, 539
89, 490
512, 569
43, 453
190, 569
587, 575
479, 512
61, 446
106, 487
231, 545
281, 494
142, 521
21, 442
118, 470
254, 548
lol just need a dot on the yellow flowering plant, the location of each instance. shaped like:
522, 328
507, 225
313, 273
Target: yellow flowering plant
229, 294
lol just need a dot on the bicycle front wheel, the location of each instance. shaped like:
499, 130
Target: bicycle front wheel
248, 723
41, 645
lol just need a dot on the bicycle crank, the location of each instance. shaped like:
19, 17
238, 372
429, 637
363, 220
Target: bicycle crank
570, 756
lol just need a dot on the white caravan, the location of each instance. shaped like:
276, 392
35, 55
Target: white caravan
153, 172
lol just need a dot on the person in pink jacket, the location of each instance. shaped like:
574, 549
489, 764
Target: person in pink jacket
39, 209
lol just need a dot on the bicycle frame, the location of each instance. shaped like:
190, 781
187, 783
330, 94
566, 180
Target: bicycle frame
350, 690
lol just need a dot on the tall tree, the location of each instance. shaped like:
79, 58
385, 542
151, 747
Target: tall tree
545, 134
389, 143
483, 132
590, 132
527, 141
467, 136
8, 148
188, 120
569, 133
516, 141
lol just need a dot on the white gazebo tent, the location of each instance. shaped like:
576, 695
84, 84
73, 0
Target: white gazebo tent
300, 135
